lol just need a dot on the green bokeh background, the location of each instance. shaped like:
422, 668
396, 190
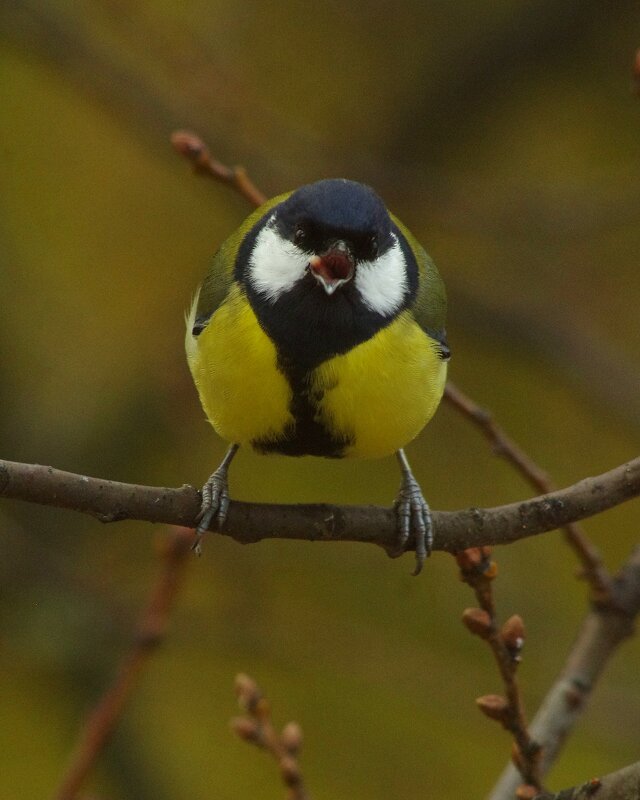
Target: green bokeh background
506, 136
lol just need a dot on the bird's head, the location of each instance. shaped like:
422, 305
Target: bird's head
333, 238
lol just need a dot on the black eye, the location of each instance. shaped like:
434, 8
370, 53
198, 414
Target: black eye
373, 246
300, 235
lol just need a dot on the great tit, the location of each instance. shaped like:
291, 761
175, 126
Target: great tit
320, 330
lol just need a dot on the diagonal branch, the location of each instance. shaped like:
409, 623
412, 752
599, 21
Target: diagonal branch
110, 501
593, 568
604, 628
196, 151
149, 634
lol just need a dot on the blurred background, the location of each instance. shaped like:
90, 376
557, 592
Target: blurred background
506, 135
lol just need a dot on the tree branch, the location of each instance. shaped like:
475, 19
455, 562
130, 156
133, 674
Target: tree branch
593, 568
110, 501
479, 571
150, 632
604, 628
257, 727
192, 147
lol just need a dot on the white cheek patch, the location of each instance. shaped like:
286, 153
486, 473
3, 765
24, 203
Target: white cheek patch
382, 283
275, 264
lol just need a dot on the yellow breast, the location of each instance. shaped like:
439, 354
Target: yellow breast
384, 391
234, 366
378, 396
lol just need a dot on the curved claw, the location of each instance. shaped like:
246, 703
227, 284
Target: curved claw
414, 516
215, 500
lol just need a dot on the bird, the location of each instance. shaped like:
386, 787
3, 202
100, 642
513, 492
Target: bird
319, 330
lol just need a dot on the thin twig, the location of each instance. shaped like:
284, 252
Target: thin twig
257, 727
111, 501
592, 565
195, 150
150, 632
603, 630
478, 571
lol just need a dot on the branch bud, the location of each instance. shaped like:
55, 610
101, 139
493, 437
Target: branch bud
187, 144
245, 728
291, 738
526, 792
290, 771
512, 634
476, 561
469, 559
247, 692
477, 621
493, 706
244, 685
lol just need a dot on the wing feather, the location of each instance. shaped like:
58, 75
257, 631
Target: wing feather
430, 306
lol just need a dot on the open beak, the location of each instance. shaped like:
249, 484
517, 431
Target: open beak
334, 267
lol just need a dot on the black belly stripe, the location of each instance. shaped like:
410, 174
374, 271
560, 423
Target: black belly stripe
307, 436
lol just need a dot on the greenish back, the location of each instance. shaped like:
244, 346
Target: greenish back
430, 308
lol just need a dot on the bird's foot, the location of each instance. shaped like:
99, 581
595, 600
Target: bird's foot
215, 500
414, 517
